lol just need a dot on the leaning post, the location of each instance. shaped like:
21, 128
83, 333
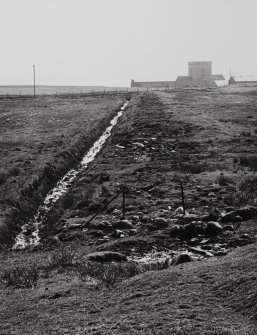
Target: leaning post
123, 202
182, 197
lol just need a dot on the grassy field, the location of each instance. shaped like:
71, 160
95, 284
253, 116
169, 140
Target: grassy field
205, 138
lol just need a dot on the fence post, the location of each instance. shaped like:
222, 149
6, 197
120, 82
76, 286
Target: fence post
123, 202
182, 197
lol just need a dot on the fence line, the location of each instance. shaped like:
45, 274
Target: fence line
19, 93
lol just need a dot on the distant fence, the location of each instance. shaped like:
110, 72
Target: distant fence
11, 92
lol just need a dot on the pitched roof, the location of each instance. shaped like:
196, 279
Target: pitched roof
184, 78
244, 78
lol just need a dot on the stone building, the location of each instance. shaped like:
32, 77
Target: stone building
199, 76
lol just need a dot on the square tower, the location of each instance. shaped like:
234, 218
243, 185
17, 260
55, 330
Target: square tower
199, 70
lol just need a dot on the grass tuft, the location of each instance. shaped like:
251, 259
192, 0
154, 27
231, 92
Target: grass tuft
249, 161
20, 276
62, 257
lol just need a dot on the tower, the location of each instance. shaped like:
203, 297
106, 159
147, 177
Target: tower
199, 70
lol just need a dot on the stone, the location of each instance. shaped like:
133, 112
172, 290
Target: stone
74, 224
213, 229
135, 218
71, 236
104, 225
182, 258
247, 212
117, 233
230, 217
229, 228
160, 223
175, 231
212, 216
95, 233
187, 218
123, 224
200, 251
132, 232
144, 219
106, 257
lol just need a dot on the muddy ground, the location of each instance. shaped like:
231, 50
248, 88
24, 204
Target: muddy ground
204, 139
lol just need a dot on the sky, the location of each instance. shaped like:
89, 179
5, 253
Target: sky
110, 42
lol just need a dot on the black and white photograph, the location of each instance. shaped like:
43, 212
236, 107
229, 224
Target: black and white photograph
128, 167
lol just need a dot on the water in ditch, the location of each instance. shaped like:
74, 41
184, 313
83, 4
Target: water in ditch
26, 238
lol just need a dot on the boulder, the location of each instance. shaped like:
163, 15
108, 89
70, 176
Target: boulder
135, 218
213, 229
247, 212
175, 231
160, 223
123, 224
230, 217
117, 233
187, 231
74, 224
104, 226
212, 216
187, 218
106, 257
182, 258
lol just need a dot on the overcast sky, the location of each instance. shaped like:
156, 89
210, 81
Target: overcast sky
109, 42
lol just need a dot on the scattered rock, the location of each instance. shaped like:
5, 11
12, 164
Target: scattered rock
182, 258
247, 212
123, 224
229, 228
95, 233
200, 252
160, 223
74, 224
230, 217
116, 233
175, 231
213, 216
132, 232
135, 218
213, 229
106, 257
179, 211
105, 226
187, 218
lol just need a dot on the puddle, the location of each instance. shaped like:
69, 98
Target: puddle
155, 257
29, 235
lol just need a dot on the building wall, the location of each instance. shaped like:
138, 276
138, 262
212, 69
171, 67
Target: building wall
153, 84
198, 70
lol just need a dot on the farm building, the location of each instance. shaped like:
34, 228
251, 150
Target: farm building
199, 75
249, 79
153, 84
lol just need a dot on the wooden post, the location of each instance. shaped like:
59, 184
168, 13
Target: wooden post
123, 202
34, 73
182, 197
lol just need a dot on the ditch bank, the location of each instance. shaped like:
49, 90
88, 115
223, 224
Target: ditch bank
25, 206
